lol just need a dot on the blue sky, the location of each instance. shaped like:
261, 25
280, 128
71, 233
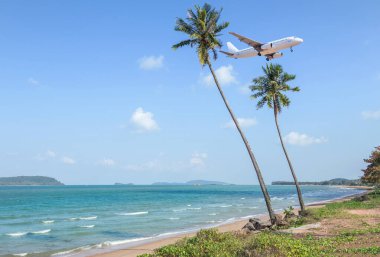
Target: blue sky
92, 93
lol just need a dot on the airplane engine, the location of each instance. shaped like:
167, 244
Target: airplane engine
267, 46
277, 55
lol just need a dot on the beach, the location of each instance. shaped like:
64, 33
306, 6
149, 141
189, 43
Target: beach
148, 247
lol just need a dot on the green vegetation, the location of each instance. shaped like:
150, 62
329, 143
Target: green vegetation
203, 30
331, 182
270, 91
210, 243
372, 172
29, 181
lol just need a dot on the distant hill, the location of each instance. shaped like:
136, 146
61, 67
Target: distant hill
29, 181
191, 183
331, 182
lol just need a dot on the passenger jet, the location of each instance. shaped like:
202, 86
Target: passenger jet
269, 50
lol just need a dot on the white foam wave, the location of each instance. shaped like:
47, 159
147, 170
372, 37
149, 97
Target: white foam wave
277, 198
212, 214
188, 205
173, 218
83, 248
119, 242
48, 221
20, 254
197, 208
41, 231
17, 234
73, 219
253, 207
89, 218
225, 206
242, 198
132, 213
87, 226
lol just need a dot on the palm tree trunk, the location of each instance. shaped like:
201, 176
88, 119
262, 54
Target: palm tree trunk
302, 205
253, 159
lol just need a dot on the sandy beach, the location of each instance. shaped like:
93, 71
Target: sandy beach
148, 247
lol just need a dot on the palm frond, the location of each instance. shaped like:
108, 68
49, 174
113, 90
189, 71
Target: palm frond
270, 89
203, 29
183, 43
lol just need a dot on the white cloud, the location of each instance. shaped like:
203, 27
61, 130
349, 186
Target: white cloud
143, 121
151, 62
68, 160
243, 122
371, 115
50, 153
198, 159
107, 162
47, 155
150, 165
224, 74
295, 138
33, 81
245, 90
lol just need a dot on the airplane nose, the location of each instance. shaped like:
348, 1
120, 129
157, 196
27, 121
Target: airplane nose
299, 40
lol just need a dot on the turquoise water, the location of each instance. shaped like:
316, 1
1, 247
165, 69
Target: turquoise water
78, 220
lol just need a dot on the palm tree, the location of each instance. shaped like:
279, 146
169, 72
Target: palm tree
203, 30
270, 90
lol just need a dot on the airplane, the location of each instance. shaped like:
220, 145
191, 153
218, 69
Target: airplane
269, 50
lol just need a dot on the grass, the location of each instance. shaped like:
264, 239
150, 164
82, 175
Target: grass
210, 243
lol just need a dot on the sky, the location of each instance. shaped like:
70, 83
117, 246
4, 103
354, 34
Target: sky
92, 93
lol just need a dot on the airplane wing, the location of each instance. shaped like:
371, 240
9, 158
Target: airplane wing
255, 44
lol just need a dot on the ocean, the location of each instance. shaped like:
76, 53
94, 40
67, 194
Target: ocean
81, 220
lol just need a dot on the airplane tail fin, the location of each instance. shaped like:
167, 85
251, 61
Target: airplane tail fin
231, 47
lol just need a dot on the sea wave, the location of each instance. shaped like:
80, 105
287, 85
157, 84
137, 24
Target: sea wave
225, 206
119, 242
173, 218
20, 254
17, 234
41, 231
212, 214
133, 213
79, 249
48, 221
87, 226
89, 218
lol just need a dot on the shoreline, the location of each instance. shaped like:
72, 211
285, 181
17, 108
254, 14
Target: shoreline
148, 245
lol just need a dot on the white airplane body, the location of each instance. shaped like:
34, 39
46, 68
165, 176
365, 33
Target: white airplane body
269, 50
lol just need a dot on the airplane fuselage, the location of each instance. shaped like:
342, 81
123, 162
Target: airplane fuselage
270, 48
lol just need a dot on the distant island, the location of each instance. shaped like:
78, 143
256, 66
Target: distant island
29, 181
192, 183
331, 182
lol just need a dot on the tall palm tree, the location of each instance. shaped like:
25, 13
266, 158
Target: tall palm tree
203, 30
270, 90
